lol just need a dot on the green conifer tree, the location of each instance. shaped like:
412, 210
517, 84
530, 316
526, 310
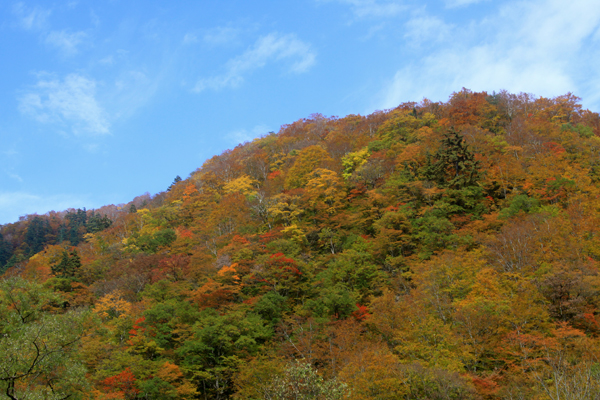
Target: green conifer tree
455, 166
68, 266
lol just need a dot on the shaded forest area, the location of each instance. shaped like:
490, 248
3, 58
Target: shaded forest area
432, 251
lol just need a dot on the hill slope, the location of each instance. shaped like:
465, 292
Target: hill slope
436, 250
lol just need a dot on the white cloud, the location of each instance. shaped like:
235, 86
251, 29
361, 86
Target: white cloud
108, 60
243, 135
134, 81
221, 35
94, 18
129, 79
14, 176
10, 153
133, 89
16, 204
542, 47
71, 102
91, 147
190, 38
374, 8
31, 18
65, 41
461, 3
425, 28
269, 48
117, 57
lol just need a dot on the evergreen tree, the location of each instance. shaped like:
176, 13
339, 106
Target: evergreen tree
5, 251
68, 266
97, 223
177, 179
75, 263
455, 166
77, 222
62, 233
35, 238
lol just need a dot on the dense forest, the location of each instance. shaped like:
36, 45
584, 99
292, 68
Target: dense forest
431, 251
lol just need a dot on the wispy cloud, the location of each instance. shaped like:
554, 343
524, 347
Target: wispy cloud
16, 204
461, 3
71, 101
31, 18
65, 41
133, 89
426, 28
108, 60
10, 152
14, 176
118, 56
374, 8
270, 48
190, 38
244, 135
221, 35
537, 46
36, 20
8, 161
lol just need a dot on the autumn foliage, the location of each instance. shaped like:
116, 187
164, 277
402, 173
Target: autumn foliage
431, 251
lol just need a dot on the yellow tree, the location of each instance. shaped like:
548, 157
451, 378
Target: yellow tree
244, 184
324, 192
307, 161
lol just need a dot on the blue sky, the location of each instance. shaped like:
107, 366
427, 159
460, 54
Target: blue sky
104, 100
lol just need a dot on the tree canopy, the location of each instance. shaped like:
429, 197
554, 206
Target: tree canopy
437, 250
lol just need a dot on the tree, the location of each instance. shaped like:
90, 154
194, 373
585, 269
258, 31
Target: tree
68, 266
393, 234
5, 253
300, 381
212, 354
175, 181
168, 321
122, 383
455, 166
77, 225
168, 383
244, 184
308, 160
324, 191
352, 161
39, 349
36, 236
97, 223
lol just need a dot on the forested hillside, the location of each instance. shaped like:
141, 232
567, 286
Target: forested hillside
432, 251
